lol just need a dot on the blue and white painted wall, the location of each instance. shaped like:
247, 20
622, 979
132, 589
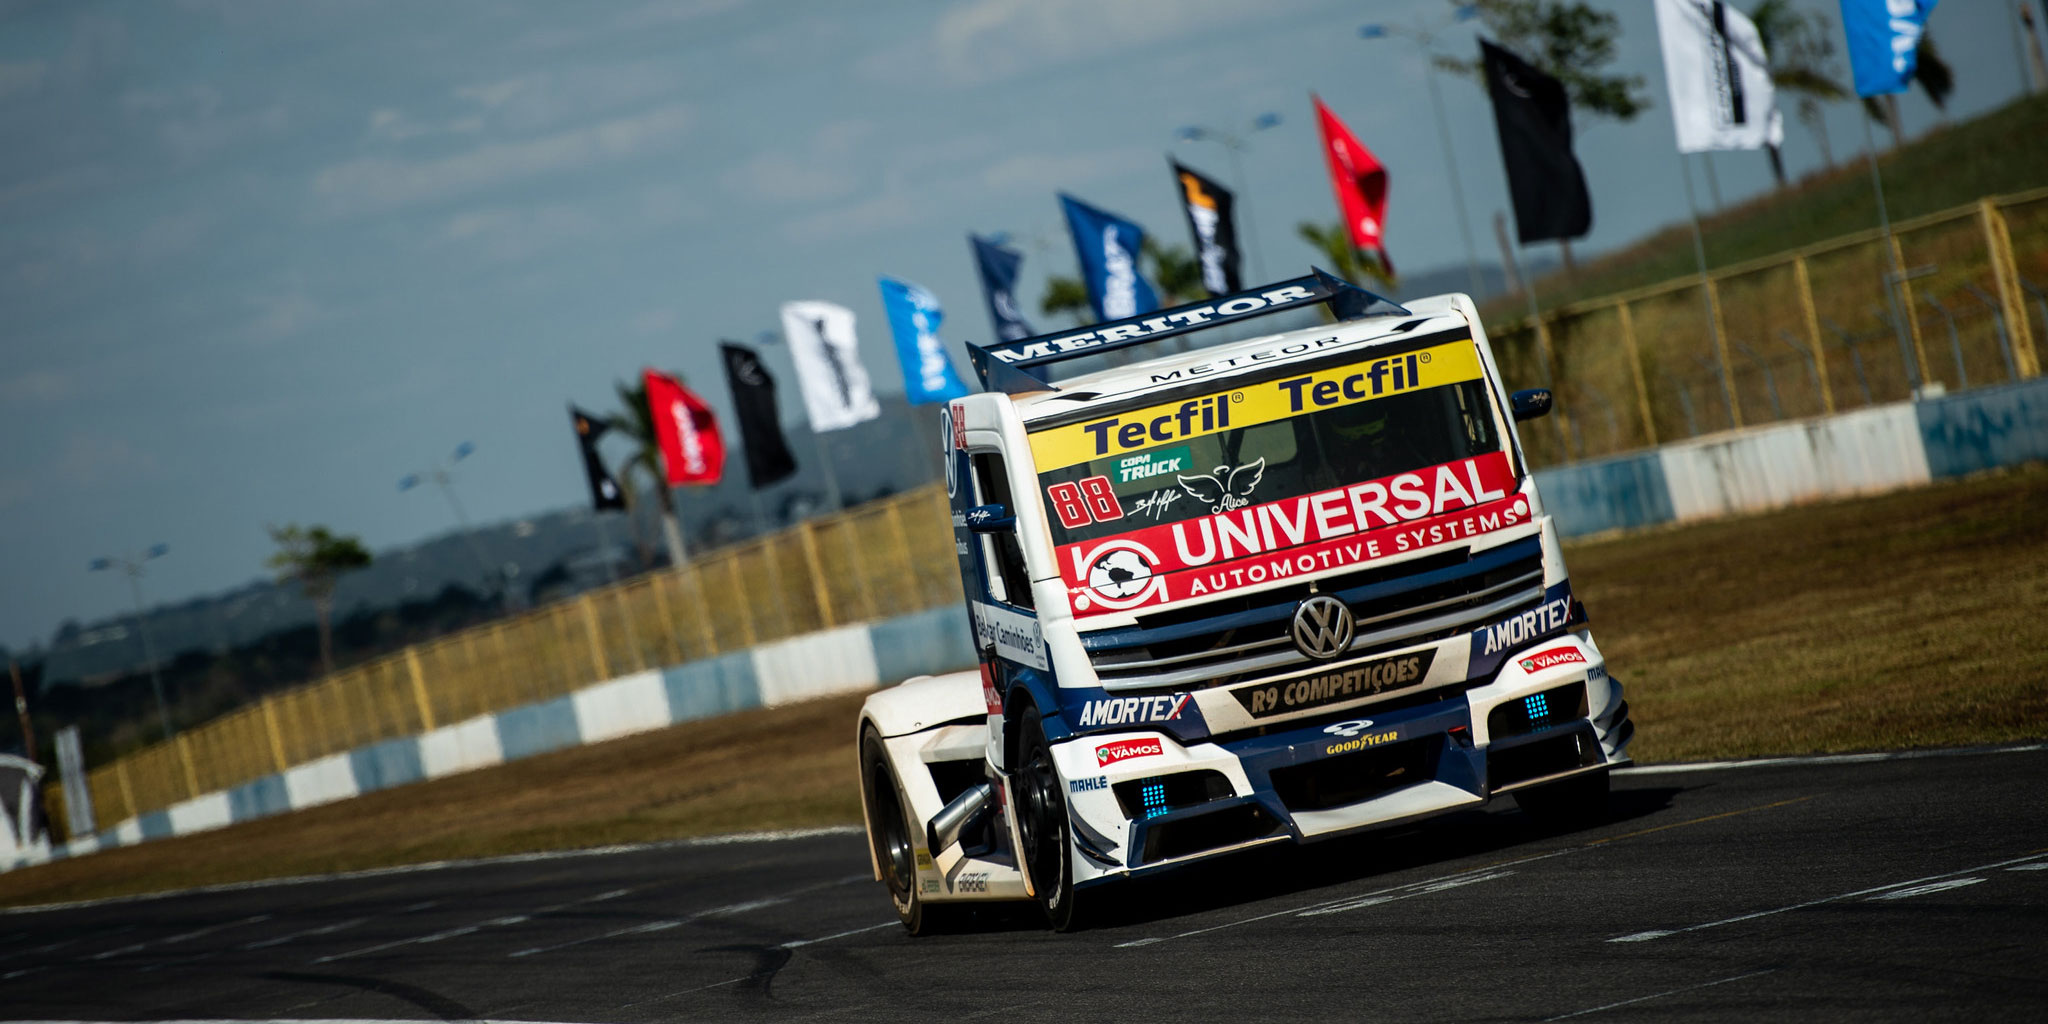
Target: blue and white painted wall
1867, 451
848, 659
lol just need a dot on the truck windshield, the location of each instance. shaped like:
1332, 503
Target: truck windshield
1301, 434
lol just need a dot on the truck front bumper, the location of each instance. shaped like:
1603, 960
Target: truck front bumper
1552, 714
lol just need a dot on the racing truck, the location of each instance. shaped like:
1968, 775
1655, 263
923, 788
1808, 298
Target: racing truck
1245, 590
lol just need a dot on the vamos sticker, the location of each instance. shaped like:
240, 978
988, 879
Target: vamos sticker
1146, 465
1110, 753
1335, 686
1552, 658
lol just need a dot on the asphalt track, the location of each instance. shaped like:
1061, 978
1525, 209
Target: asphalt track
1867, 889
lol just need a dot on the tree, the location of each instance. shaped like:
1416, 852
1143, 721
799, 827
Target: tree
1801, 49
1333, 247
1569, 41
316, 557
1931, 73
1174, 272
636, 421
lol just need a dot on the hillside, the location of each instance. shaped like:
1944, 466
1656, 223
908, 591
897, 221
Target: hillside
2003, 151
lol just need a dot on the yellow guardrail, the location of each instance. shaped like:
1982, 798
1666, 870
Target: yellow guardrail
1801, 333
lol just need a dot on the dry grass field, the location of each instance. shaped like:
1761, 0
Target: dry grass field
1914, 619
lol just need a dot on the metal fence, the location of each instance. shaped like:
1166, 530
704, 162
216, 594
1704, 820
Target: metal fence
882, 559
1800, 334
1824, 328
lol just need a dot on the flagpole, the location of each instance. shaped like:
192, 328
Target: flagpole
1542, 343
1443, 132
1699, 253
1897, 275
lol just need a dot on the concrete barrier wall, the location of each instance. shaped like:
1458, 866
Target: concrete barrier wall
1861, 452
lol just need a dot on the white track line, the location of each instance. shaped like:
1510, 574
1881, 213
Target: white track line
195, 933
1818, 759
767, 836
657, 926
451, 933
1425, 885
1647, 936
1660, 995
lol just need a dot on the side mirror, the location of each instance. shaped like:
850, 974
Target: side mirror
1530, 404
990, 519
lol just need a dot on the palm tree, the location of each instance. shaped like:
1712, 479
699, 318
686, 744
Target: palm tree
1935, 78
636, 421
316, 557
1333, 246
1801, 51
1172, 269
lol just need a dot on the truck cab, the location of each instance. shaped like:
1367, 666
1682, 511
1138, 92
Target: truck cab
1270, 590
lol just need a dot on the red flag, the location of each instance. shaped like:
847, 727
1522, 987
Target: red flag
687, 431
1360, 182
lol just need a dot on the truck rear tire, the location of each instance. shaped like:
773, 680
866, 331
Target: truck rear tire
890, 833
1045, 835
1572, 803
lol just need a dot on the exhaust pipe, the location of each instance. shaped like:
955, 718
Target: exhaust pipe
957, 817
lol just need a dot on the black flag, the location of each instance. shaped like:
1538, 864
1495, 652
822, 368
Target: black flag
753, 400
1535, 122
1209, 208
604, 491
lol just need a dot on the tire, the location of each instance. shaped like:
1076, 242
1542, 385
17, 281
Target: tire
1573, 802
1044, 834
890, 833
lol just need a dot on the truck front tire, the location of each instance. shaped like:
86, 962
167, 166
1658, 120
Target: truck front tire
891, 833
1045, 836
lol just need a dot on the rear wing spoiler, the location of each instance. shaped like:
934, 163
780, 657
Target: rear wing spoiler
1008, 367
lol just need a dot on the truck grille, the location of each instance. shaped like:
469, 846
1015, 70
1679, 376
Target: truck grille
1241, 638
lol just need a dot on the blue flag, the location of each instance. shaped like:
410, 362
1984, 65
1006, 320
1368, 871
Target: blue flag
999, 285
1884, 39
914, 319
1109, 247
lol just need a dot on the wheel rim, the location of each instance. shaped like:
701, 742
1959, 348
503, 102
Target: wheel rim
895, 836
1040, 824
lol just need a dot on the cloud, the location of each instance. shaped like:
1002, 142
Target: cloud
818, 172
87, 459
981, 41
286, 312
36, 386
632, 21
1041, 172
653, 322
22, 78
372, 184
518, 232
193, 121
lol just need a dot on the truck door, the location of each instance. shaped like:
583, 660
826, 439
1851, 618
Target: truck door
1007, 637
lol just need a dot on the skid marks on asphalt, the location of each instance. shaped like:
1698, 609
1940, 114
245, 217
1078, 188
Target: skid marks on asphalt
1908, 889
1454, 880
503, 921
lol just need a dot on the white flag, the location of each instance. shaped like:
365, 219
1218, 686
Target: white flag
1720, 79
835, 385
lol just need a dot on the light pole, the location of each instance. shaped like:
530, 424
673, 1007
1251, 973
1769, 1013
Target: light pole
438, 475
1426, 38
1234, 143
131, 566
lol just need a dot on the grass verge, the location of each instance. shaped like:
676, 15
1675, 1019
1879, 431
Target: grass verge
1907, 620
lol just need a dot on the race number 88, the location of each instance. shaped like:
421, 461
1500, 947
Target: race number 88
1089, 501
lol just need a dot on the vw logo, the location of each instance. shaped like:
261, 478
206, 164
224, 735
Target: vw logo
1323, 627
1349, 729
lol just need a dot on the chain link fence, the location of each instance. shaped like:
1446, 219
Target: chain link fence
1817, 330
1802, 334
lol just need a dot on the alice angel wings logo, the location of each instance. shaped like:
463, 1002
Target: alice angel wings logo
1227, 488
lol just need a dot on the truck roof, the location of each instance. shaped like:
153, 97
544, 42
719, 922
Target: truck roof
1219, 362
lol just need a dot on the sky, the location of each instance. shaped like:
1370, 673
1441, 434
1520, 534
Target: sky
260, 260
